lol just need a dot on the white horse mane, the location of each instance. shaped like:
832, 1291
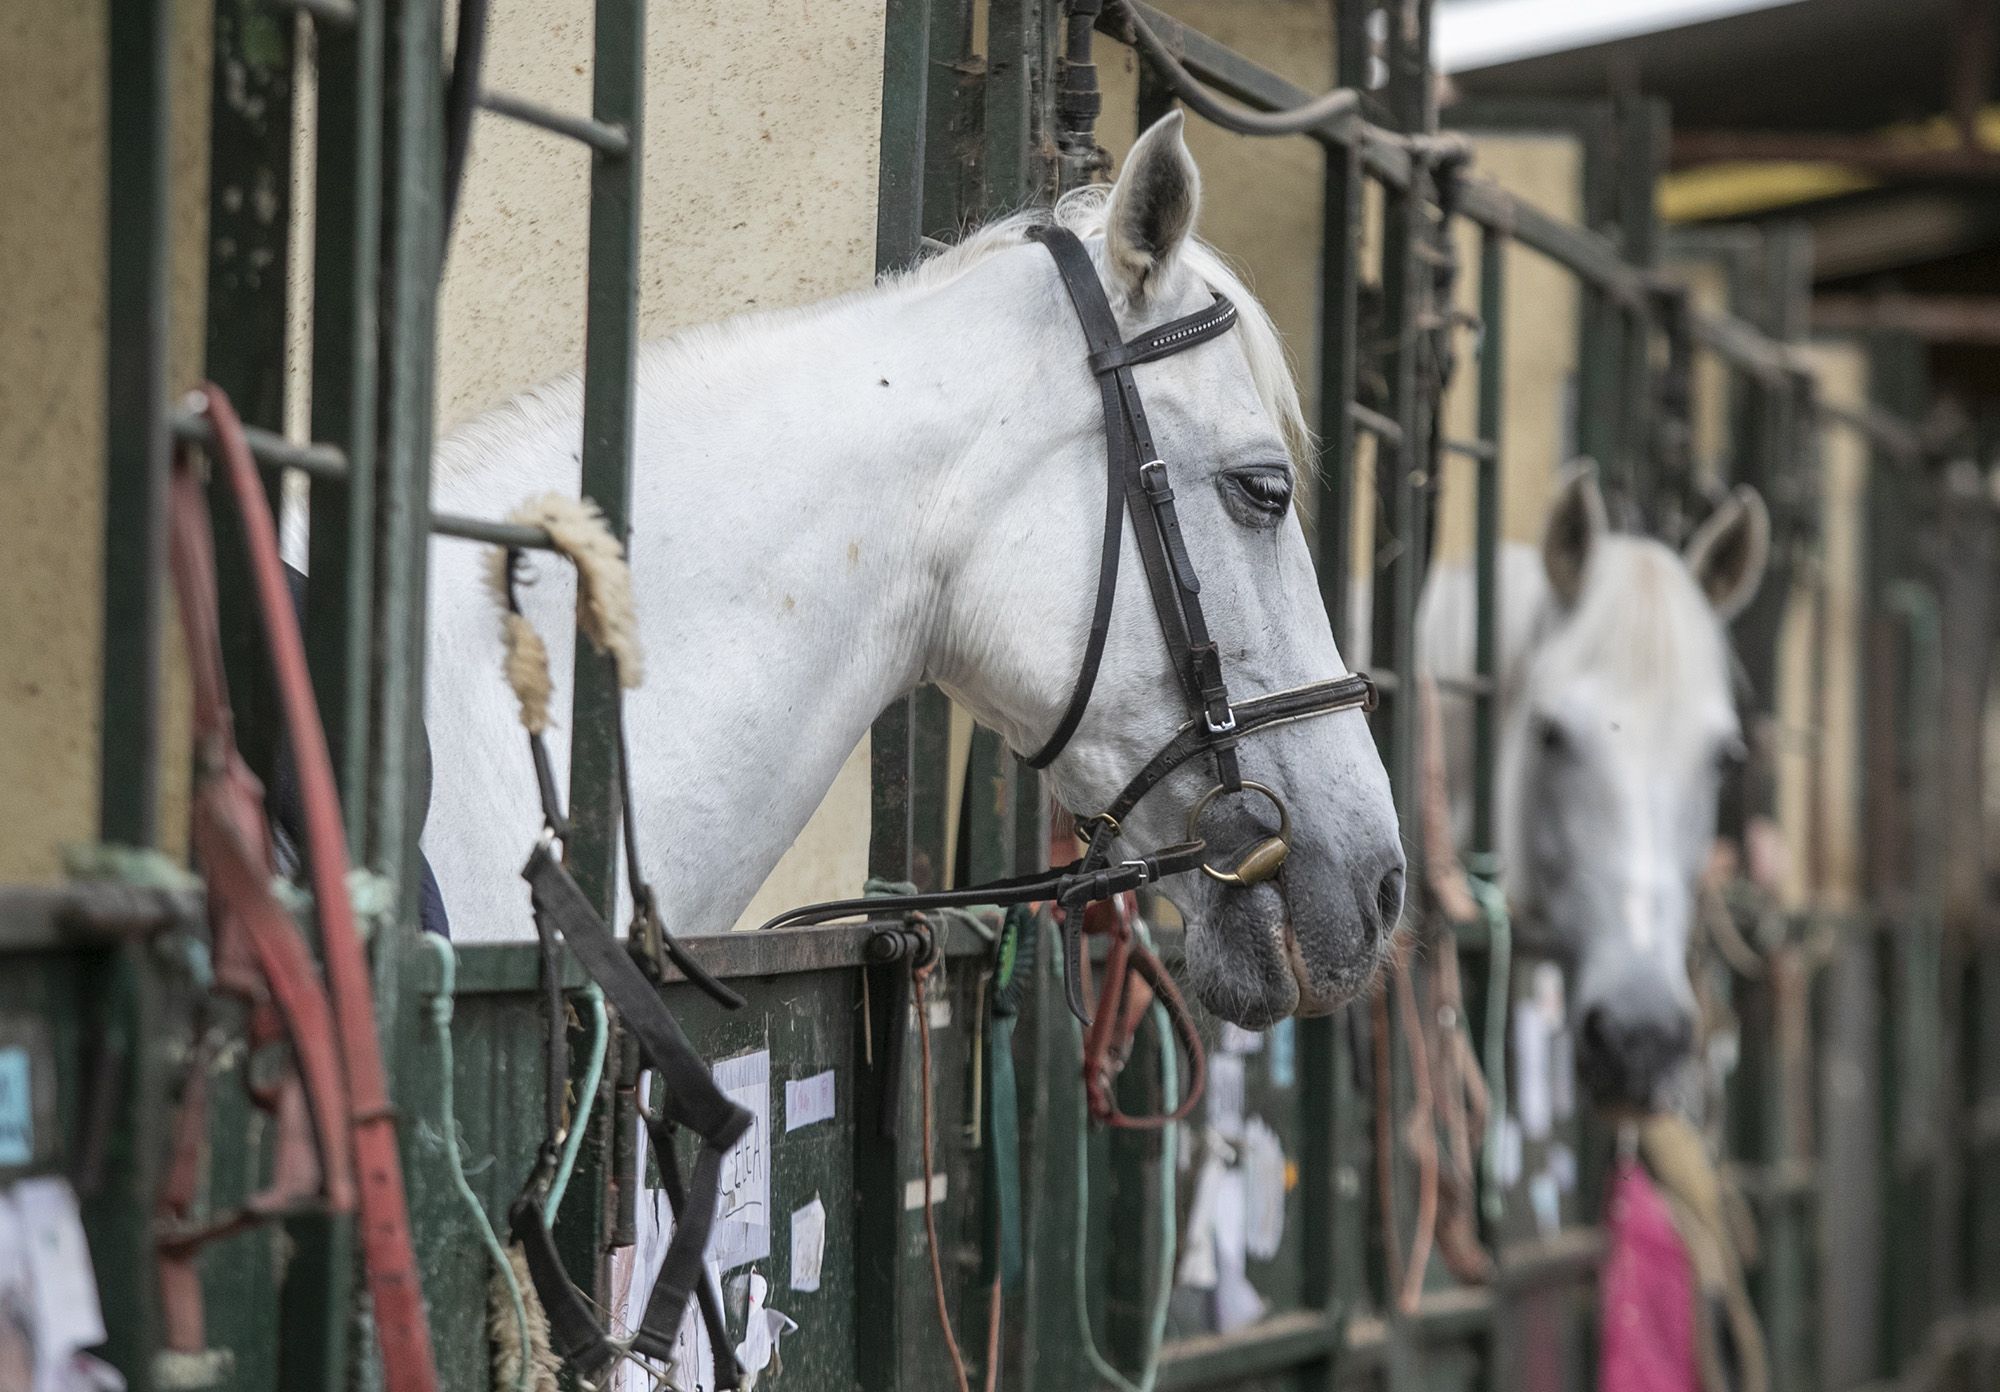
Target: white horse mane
1641, 625
665, 361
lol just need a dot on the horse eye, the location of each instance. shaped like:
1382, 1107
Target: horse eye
1265, 488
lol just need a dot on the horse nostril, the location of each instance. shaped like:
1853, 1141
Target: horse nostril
1389, 900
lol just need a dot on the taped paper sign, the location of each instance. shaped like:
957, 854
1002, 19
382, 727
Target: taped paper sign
762, 1327
808, 1100
913, 1191
743, 1213
1263, 1189
1225, 1094
808, 1244
1237, 1040
1545, 1084
49, 1311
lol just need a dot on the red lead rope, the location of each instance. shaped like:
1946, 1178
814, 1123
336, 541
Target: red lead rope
1134, 977
388, 1255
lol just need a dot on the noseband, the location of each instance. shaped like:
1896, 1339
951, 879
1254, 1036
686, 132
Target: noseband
1138, 490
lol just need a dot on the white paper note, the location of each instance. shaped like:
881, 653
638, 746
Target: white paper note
808, 1100
1264, 1189
913, 1191
1237, 1040
808, 1244
743, 1214
1225, 1094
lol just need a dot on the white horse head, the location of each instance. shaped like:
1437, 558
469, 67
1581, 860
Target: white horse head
1620, 730
834, 504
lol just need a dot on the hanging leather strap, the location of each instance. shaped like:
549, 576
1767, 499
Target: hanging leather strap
388, 1257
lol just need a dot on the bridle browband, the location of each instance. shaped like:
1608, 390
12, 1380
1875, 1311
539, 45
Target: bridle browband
1138, 490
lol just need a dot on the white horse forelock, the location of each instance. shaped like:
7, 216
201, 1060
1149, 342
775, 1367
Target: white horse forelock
1643, 631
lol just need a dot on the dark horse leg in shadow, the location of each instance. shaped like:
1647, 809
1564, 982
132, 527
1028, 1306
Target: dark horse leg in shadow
287, 814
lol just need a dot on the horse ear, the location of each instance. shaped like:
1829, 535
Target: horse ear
1576, 522
1728, 552
1152, 208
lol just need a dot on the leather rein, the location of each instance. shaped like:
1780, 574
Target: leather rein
1138, 492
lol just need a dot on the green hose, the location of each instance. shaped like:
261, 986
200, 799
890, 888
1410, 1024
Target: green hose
1156, 1331
593, 1075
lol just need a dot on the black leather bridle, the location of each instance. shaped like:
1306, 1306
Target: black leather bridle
1139, 491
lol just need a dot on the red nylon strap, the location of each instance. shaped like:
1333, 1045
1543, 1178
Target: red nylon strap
388, 1255
1134, 978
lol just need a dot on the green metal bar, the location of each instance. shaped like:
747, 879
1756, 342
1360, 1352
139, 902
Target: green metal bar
882, 1153
135, 424
414, 142
249, 231
347, 210
1013, 48
1486, 555
951, 118
605, 137
270, 449
319, 1285
1343, 209
611, 345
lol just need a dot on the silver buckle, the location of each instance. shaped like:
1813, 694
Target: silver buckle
1228, 726
1145, 874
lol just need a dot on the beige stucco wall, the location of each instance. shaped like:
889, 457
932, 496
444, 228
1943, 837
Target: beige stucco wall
52, 244
762, 135
1819, 753
1540, 347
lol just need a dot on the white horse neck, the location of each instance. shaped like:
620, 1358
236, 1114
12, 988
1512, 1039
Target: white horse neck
802, 482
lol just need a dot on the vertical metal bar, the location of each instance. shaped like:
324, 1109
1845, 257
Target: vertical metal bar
347, 211
414, 138
1343, 207
1400, 489
136, 444
899, 218
882, 1146
611, 339
249, 232
1486, 531
135, 428
347, 215
1013, 46
953, 85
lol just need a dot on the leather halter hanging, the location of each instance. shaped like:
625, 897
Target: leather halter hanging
1138, 490
686, 1091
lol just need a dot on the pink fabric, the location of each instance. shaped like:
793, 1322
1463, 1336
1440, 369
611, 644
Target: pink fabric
1646, 1294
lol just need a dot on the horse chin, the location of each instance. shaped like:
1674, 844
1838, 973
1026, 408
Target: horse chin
1243, 963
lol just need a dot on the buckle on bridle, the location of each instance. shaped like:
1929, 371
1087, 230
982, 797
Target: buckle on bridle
1227, 725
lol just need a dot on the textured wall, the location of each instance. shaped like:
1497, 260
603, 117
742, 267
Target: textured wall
52, 243
1819, 677
1541, 348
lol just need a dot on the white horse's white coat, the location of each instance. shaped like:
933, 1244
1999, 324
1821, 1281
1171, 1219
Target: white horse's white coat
1617, 720
833, 504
